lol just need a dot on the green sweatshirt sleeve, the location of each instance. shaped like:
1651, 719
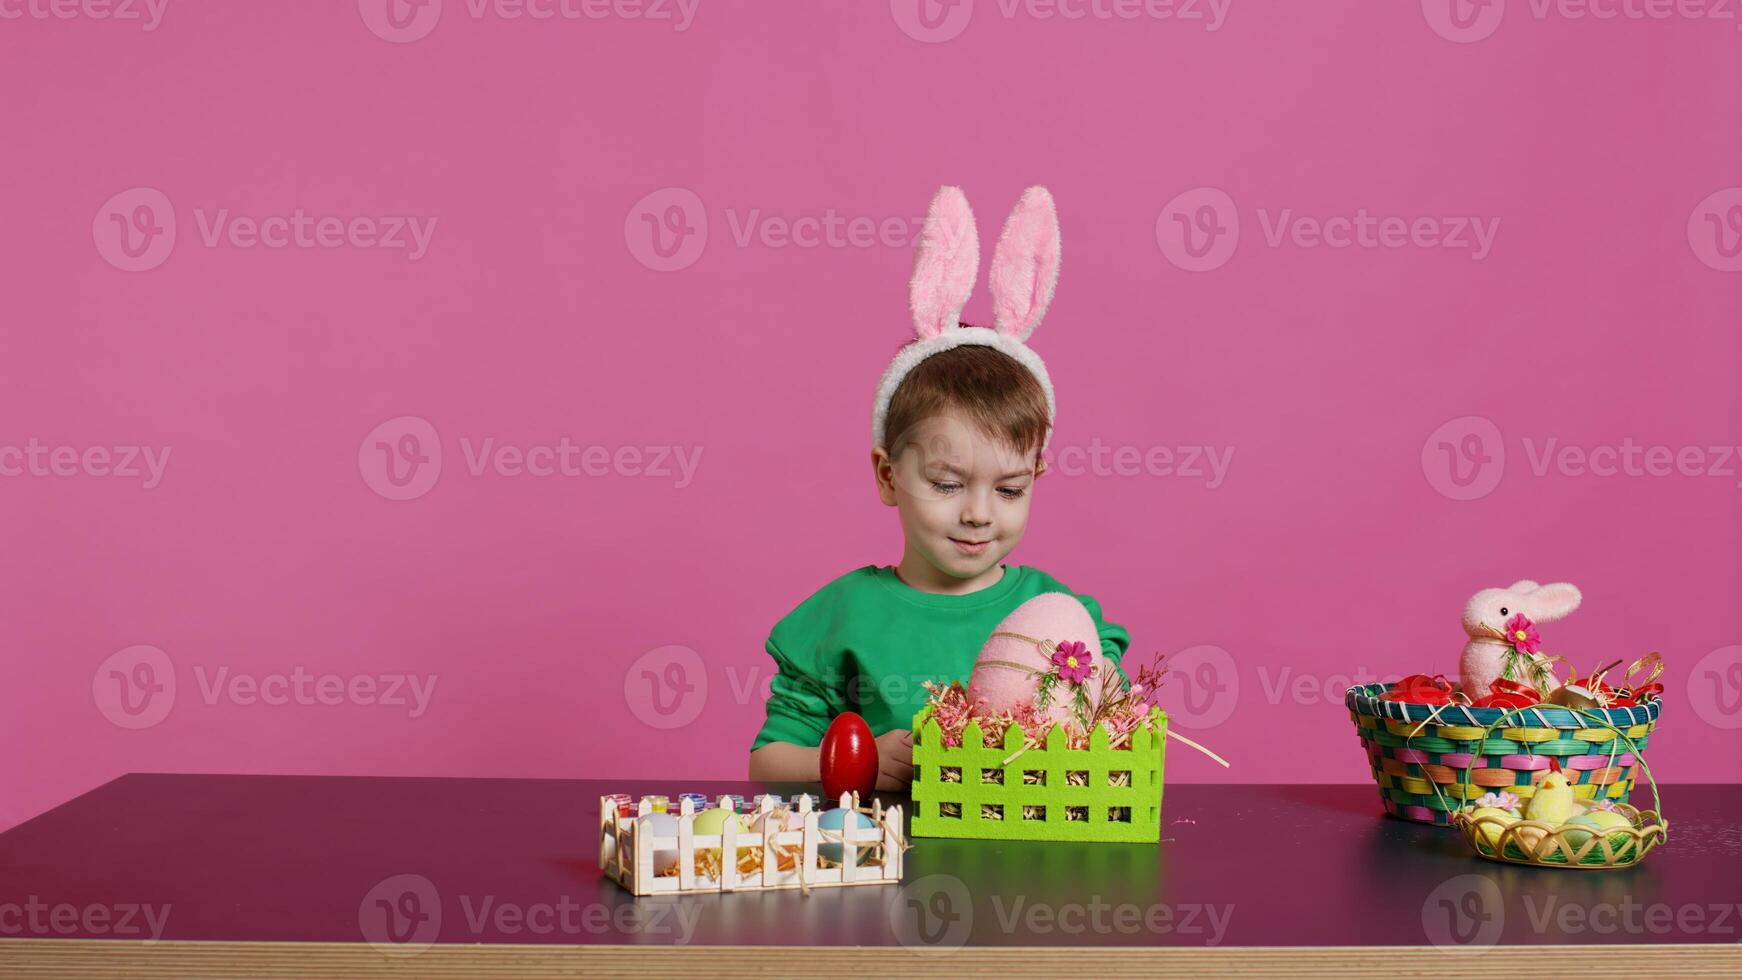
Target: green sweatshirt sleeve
798, 704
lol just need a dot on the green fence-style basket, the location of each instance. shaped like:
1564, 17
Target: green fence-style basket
971, 791
1429, 760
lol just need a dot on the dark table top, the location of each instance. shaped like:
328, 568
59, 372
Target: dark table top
414, 860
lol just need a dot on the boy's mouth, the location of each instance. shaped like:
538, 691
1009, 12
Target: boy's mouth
971, 547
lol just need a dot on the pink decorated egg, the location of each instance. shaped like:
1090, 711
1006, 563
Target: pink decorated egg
1054, 616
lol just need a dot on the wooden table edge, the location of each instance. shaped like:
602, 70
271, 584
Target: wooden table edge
43, 957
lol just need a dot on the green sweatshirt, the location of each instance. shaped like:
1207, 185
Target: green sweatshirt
865, 641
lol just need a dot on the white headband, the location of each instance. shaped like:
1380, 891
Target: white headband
1025, 270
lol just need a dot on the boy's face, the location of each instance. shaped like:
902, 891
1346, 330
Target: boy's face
963, 495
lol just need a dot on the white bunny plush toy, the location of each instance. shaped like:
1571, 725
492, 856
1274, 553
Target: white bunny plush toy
1503, 641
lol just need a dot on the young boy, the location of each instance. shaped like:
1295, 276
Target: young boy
962, 419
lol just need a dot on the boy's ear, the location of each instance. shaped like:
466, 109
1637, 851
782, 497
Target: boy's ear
883, 469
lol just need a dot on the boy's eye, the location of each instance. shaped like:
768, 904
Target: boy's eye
945, 486
1012, 493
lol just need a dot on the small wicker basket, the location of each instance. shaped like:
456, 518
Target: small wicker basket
1546, 845
1501, 837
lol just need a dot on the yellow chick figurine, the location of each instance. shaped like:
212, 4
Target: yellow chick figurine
1552, 802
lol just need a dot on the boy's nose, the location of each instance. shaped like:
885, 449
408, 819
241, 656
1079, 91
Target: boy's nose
975, 513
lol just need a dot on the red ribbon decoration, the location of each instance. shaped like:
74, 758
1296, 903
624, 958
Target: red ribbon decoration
1630, 694
1420, 689
1626, 697
1608, 696
1508, 694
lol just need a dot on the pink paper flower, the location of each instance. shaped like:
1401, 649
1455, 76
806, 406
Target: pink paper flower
1521, 633
1137, 696
1073, 660
1502, 801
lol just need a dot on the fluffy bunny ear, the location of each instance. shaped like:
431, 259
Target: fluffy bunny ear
1522, 586
1552, 602
945, 264
1025, 265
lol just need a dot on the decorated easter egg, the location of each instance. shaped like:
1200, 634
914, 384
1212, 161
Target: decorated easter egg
1490, 831
1013, 663
1577, 838
1610, 820
848, 757
714, 822
1599, 821
832, 822
1530, 838
655, 825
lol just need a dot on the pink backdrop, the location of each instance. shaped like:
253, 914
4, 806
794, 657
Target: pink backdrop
1450, 292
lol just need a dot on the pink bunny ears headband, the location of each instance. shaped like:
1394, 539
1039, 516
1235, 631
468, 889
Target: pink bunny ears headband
1025, 268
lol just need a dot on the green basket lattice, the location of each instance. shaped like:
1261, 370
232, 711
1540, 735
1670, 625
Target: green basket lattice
1141, 798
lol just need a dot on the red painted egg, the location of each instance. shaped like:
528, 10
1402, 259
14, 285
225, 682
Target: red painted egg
849, 758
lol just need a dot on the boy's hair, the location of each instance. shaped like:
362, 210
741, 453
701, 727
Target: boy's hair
996, 394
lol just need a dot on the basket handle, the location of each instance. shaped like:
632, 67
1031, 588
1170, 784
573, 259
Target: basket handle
1507, 714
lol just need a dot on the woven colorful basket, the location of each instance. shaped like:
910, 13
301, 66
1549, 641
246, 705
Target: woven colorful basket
1421, 754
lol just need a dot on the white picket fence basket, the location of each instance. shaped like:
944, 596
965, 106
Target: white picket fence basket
620, 835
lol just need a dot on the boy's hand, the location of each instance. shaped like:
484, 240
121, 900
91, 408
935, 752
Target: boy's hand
895, 759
